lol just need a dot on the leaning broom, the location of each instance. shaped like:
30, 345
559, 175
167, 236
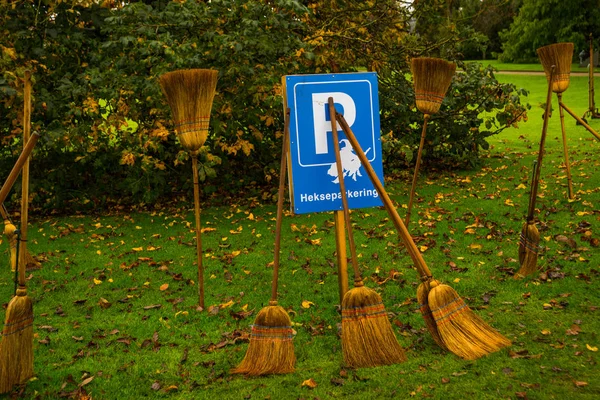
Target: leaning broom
271, 349
450, 321
431, 79
190, 95
530, 237
368, 339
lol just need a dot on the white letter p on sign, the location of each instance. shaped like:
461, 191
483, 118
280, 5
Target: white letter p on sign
322, 125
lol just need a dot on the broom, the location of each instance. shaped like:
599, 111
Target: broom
452, 322
368, 339
530, 237
190, 95
16, 350
431, 78
271, 349
560, 55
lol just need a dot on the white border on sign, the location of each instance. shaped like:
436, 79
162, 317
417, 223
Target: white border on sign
328, 82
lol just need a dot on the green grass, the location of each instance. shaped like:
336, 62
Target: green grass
525, 67
467, 222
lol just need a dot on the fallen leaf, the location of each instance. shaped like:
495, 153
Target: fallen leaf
307, 304
85, 382
164, 287
591, 348
103, 303
310, 383
580, 383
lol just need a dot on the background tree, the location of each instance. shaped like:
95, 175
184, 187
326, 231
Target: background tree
543, 22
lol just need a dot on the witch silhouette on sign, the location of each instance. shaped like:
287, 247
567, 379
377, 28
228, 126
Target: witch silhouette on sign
350, 162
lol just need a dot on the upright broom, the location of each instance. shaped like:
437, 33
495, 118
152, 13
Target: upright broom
368, 339
451, 321
271, 349
16, 350
530, 237
190, 95
431, 79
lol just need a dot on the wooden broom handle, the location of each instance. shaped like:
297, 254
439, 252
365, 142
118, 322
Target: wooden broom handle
538, 167
25, 177
416, 173
413, 251
280, 193
340, 174
198, 231
581, 122
14, 173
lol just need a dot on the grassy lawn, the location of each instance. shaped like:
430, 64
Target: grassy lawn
115, 300
527, 67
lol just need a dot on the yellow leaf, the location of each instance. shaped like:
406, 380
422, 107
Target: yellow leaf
545, 332
470, 231
99, 252
474, 246
245, 307
235, 253
164, 287
207, 230
251, 217
423, 249
591, 348
138, 249
307, 304
509, 203
456, 280
97, 281
228, 304
521, 186
310, 383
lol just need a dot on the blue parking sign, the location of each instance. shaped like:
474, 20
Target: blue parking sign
314, 181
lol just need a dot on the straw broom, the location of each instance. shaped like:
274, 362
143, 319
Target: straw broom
560, 55
16, 350
431, 78
456, 326
530, 237
190, 95
368, 339
271, 348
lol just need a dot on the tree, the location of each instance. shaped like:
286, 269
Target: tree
543, 22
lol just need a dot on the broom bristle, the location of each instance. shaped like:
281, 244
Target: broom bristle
368, 339
190, 95
423, 299
431, 78
271, 348
16, 349
528, 250
561, 56
463, 332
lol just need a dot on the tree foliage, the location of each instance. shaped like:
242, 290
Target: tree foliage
543, 22
109, 135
